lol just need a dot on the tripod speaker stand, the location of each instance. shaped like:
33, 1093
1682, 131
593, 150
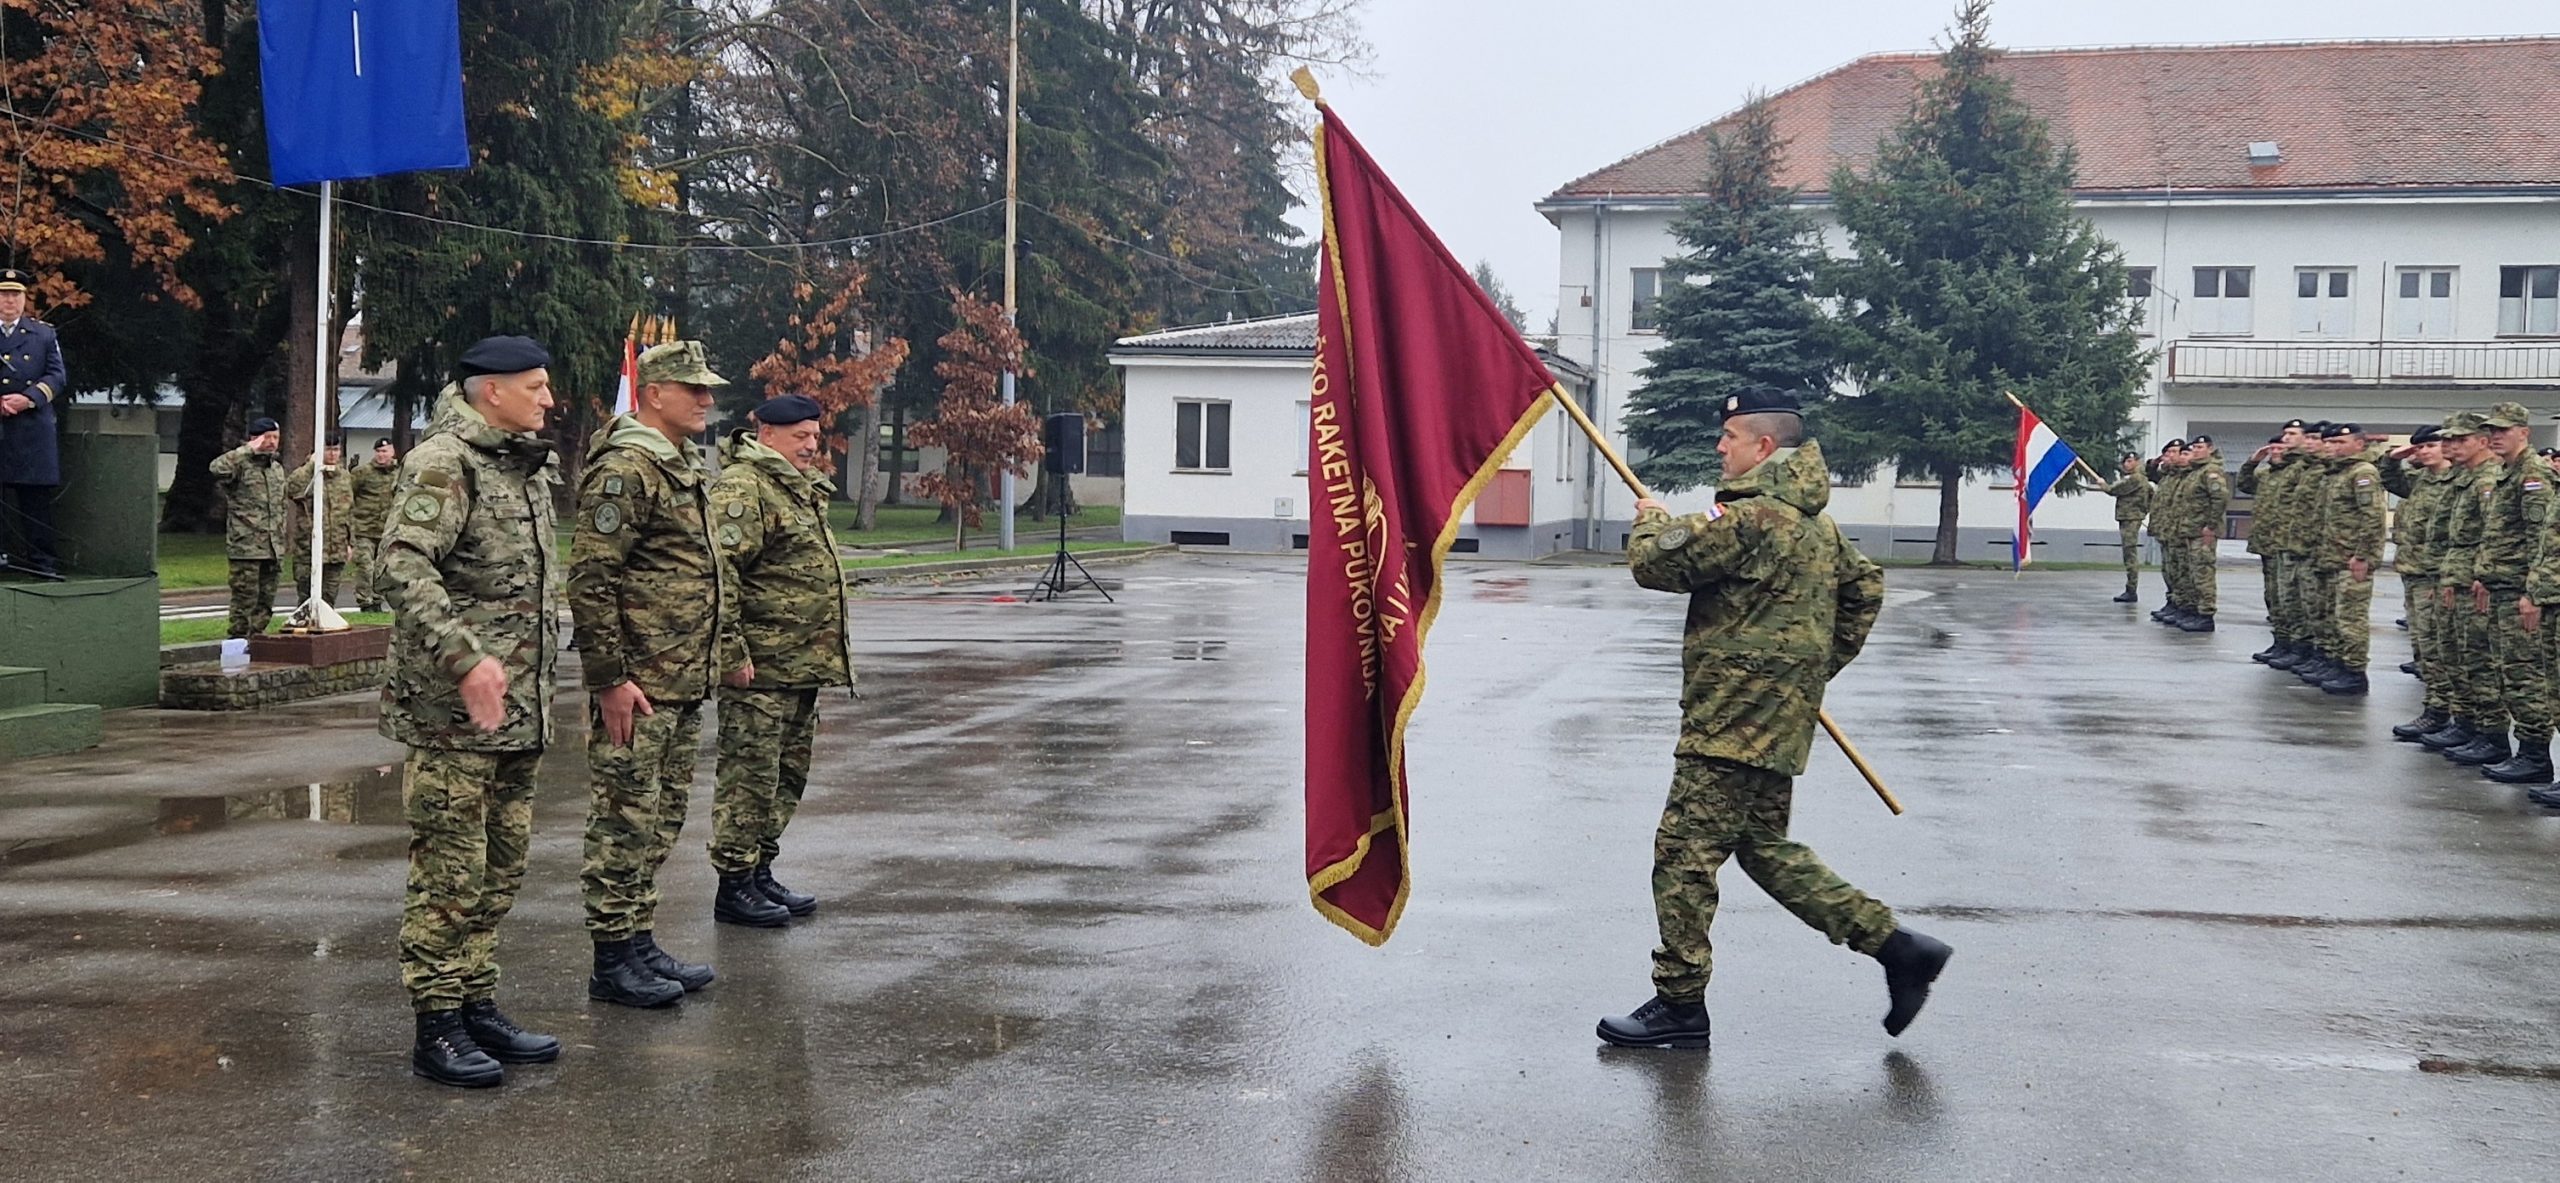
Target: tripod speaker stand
1062, 442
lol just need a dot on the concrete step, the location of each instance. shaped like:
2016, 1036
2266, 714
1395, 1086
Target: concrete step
47, 729
21, 686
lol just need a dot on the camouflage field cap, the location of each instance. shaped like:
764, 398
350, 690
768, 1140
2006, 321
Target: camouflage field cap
2507, 415
2459, 424
678, 361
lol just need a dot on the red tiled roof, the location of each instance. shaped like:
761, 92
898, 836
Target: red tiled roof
2346, 114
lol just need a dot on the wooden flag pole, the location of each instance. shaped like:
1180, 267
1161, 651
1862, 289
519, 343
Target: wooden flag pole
2077, 461
1829, 727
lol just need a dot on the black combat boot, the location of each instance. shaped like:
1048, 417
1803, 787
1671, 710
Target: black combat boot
505, 1042
2311, 668
2416, 729
2288, 655
2269, 653
2411, 668
2531, 765
644, 946
2197, 622
2162, 612
2345, 681
445, 1053
1911, 962
2129, 597
1659, 1023
2456, 732
798, 903
2548, 796
2487, 747
738, 902
619, 978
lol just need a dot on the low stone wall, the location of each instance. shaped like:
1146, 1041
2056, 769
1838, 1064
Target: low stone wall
206, 686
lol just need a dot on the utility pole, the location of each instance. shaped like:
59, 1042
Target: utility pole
1012, 234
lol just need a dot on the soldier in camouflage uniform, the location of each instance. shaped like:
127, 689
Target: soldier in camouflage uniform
2513, 519
657, 629
2204, 496
467, 564
2268, 489
1778, 603
371, 485
255, 494
2350, 549
2541, 593
2170, 469
2462, 607
337, 523
2300, 588
2420, 476
2133, 503
772, 505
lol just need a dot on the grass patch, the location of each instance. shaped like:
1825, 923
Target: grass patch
989, 552
899, 524
189, 632
193, 560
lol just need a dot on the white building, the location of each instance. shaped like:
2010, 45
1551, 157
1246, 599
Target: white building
1217, 439
2356, 230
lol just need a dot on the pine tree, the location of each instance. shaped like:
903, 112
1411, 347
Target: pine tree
1972, 278
1736, 309
1500, 293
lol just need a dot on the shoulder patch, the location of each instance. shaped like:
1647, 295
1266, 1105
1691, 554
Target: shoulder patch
2532, 486
2362, 481
613, 486
434, 478
607, 517
728, 534
1672, 539
422, 508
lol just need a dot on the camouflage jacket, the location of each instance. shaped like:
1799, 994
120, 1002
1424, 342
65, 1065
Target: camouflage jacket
2133, 497
372, 484
467, 564
2462, 522
1778, 603
254, 485
2267, 505
340, 521
2164, 502
772, 526
2416, 529
2512, 519
655, 605
2204, 498
2350, 515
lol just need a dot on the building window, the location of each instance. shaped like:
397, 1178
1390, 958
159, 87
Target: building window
2324, 302
2222, 302
2137, 287
2528, 301
1200, 435
1105, 452
2423, 310
1645, 316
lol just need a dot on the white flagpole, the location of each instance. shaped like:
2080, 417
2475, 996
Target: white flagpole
315, 610
1012, 173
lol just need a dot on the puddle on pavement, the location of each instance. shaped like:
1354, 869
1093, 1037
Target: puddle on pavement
372, 799
2491, 1068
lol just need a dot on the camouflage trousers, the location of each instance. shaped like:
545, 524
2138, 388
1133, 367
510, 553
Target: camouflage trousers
765, 738
2173, 571
2202, 581
253, 595
2129, 539
2463, 637
360, 572
2523, 661
2317, 588
470, 820
331, 574
2418, 603
2271, 582
2351, 619
2300, 590
1721, 809
637, 809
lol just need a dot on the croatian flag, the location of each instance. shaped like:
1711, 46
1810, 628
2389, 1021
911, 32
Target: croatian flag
629, 384
2042, 458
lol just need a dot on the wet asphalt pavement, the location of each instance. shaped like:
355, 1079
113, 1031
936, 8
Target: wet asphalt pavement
2209, 923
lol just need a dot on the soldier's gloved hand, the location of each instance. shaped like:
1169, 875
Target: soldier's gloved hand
484, 694
621, 704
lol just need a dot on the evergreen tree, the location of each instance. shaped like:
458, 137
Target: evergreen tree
1736, 308
1500, 293
1972, 278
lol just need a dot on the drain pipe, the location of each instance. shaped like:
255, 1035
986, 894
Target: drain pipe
1591, 499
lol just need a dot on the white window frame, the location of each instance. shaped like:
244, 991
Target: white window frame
2219, 314
2405, 303
1201, 445
2535, 311
2327, 314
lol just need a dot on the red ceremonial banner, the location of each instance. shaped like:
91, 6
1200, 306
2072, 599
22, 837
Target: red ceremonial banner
1421, 389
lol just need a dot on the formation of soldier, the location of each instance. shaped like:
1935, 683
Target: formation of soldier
678, 587
2474, 543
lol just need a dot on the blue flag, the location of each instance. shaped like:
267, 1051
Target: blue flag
361, 88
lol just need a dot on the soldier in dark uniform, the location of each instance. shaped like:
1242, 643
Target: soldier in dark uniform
32, 380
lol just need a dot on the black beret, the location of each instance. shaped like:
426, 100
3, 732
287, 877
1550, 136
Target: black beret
2277, 438
785, 410
2336, 430
337, 440
261, 425
2425, 435
1760, 400
504, 355
2199, 438
2174, 446
2290, 424
2316, 426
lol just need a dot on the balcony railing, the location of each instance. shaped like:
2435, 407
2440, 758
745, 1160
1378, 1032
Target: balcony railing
2371, 363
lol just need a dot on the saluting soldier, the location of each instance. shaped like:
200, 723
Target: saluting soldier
772, 501
337, 527
2169, 469
370, 484
2420, 475
2133, 503
2206, 493
657, 629
255, 500
2300, 587
2471, 693
2513, 518
32, 380
2267, 512
466, 562
2350, 545
1778, 603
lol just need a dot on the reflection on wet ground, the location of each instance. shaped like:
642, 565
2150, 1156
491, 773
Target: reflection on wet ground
1064, 932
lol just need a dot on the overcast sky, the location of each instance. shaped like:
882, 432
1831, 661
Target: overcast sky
1480, 107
